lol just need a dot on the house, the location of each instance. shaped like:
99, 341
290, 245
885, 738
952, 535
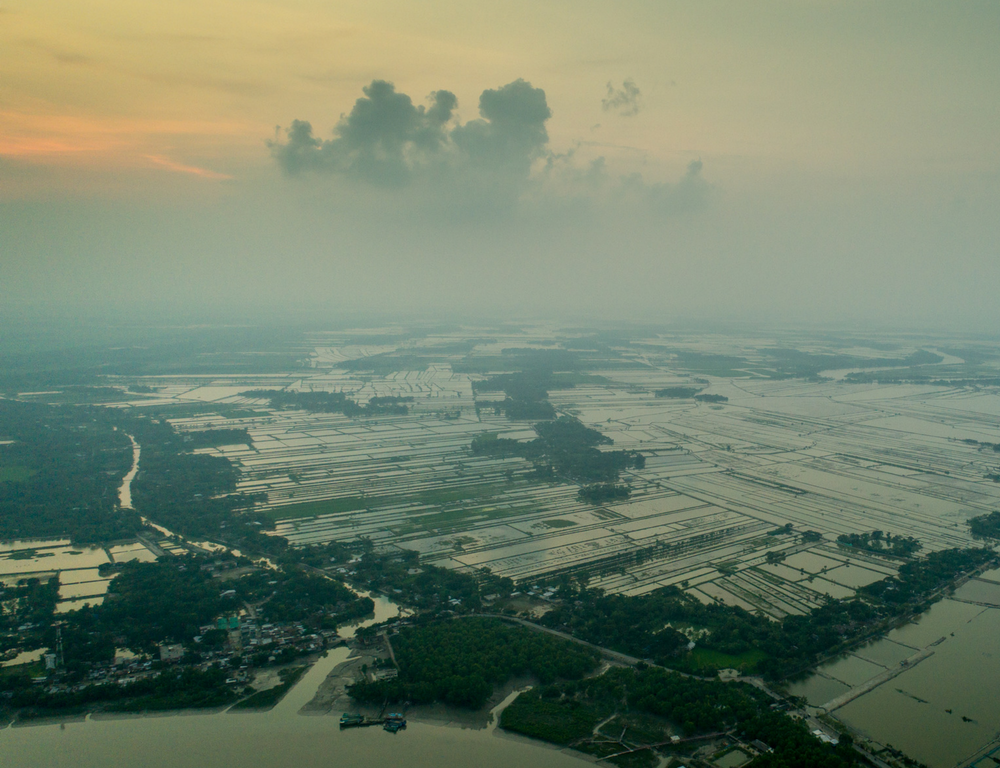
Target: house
171, 653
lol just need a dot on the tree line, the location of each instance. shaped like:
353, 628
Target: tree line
460, 662
564, 449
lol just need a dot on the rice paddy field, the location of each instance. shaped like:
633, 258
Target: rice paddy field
817, 452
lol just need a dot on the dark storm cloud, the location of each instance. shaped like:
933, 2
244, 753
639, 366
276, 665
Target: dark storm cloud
387, 139
625, 100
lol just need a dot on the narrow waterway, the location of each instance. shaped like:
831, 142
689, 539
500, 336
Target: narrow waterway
274, 739
125, 490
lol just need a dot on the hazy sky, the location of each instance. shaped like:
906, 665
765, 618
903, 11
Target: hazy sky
802, 161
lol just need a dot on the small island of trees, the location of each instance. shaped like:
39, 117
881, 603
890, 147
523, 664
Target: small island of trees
986, 526
880, 543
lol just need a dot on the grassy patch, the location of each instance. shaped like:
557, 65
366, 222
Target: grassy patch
16, 473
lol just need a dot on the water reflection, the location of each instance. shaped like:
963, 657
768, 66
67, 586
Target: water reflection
940, 711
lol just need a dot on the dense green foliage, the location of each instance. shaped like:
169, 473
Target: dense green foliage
170, 599
995, 447
193, 494
565, 713
331, 402
916, 579
167, 600
69, 462
182, 688
711, 398
147, 604
637, 625
30, 603
460, 662
601, 492
210, 438
424, 586
678, 392
881, 544
526, 392
566, 449
314, 600
986, 526
553, 717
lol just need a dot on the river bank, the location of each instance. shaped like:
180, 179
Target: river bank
331, 698
270, 739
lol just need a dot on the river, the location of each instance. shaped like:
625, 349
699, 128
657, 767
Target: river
125, 490
280, 738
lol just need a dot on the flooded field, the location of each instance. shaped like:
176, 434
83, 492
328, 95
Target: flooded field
825, 456
80, 582
740, 501
936, 683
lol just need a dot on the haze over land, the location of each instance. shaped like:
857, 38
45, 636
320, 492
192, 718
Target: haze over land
792, 162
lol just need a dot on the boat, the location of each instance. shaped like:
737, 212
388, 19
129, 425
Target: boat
348, 720
394, 726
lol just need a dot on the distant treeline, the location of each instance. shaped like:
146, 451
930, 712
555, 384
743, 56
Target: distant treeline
331, 402
601, 492
212, 438
679, 393
565, 449
641, 624
786, 362
881, 544
986, 526
995, 447
60, 475
711, 398
686, 393
521, 359
526, 392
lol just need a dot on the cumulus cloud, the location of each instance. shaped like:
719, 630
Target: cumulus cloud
626, 101
690, 193
420, 161
386, 139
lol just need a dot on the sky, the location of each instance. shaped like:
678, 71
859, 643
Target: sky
806, 162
